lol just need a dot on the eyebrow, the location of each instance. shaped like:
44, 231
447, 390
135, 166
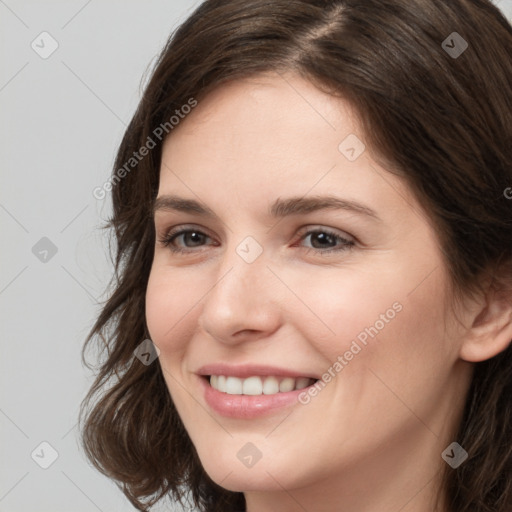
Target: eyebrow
279, 209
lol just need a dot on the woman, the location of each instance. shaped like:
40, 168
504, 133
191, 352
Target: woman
312, 307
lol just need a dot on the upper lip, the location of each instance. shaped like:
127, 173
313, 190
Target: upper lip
251, 370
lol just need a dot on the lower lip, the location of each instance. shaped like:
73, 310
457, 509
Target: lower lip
247, 406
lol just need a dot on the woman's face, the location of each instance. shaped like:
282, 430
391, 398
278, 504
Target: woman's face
302, 259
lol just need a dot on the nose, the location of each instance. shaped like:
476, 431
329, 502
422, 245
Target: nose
243, 303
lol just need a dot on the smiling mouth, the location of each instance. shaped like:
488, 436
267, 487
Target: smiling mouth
256, 385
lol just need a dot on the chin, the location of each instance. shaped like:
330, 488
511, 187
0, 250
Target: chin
234, 476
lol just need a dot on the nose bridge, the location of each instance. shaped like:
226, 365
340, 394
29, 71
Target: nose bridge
241, 274
243, 263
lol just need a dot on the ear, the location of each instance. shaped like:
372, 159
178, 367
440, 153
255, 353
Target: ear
491, 328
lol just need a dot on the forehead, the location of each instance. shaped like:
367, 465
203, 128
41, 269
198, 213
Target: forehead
272, 109
257, 139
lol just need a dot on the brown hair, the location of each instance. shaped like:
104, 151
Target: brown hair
442, 121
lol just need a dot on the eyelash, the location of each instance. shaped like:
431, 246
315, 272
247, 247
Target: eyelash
167, 239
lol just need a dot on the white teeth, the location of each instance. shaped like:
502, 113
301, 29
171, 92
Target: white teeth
270, 386
258, 385
287, 384
233, 386
252, 386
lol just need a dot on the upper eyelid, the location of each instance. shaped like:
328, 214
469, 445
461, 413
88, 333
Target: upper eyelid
178, 229
186, 226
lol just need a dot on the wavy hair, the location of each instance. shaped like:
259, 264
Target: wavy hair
441, 121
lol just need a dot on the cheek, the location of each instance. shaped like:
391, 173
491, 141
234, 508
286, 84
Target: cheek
346, 306
171, 320
170, 302
404, 351
378, 322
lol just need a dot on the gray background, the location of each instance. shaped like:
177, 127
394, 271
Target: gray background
61, 120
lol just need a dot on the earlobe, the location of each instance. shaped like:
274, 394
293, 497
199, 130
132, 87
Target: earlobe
490, 332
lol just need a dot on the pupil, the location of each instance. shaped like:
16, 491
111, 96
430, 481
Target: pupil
324, 237
194, 235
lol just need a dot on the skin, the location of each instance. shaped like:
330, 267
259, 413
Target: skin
372, 439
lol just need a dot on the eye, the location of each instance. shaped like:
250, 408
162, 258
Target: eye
195, 237
326, 240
